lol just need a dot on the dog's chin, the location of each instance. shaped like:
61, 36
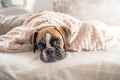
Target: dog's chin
48, 58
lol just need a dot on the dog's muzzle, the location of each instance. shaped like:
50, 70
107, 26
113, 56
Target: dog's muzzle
52, 55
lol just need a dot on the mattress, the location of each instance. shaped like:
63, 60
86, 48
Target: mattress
85, 65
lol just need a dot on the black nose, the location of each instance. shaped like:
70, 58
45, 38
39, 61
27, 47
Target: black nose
50, 50
52, 55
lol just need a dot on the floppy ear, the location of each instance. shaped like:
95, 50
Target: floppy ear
33, 41
66, 34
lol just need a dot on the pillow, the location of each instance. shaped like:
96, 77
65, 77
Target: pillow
107, 11
9, 22
6, 3
0, 4
11, 3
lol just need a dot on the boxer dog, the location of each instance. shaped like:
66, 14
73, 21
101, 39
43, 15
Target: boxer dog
61, 33
51, 42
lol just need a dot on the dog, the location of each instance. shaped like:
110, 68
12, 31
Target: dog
51, 42
61, 33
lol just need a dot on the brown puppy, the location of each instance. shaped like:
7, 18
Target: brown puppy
52, 43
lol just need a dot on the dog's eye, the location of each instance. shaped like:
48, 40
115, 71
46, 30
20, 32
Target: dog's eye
55, 42
42, 45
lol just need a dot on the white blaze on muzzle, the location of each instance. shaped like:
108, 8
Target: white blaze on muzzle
47, 38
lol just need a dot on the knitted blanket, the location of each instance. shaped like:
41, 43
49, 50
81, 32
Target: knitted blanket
85, 35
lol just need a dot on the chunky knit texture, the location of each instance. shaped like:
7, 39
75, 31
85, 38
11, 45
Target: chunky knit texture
85, 35
94, 35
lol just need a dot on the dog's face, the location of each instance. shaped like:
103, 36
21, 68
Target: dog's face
51, 44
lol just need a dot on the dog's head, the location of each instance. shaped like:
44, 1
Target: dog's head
52, 43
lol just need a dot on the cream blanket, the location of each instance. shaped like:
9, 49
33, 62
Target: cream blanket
85, 35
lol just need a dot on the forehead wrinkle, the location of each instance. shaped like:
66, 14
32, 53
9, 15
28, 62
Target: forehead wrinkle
55, 33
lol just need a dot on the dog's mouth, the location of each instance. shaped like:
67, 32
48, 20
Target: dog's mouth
50, 55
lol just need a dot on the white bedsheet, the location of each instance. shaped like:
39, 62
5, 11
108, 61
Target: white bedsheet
86, 65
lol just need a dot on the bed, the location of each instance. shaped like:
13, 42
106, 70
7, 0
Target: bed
84, 65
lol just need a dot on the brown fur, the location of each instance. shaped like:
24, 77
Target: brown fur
54, 31
66, 34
